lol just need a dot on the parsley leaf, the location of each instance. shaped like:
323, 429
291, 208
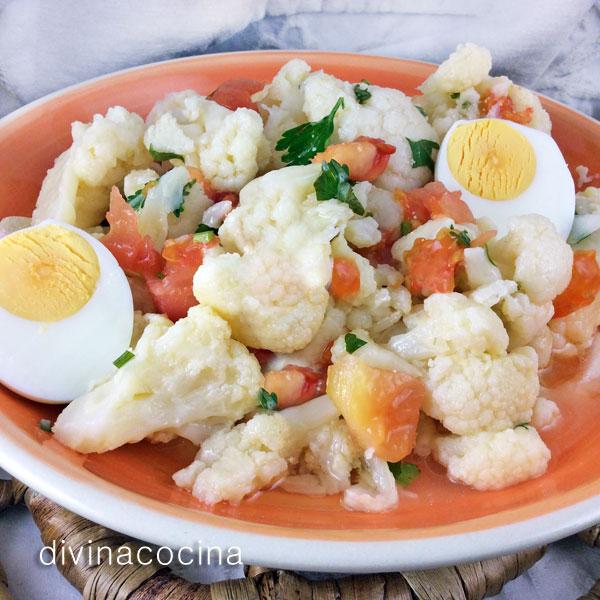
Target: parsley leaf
404, 472
462, 237
487, 253
362, 93
466, 104
523, 425
137, 200
421, 152
202, 228
123, 359
405, 228
454, 95
353, 343
420, 109
160, 275
46, 425
266, 400
306, 140
159, 155
333, 182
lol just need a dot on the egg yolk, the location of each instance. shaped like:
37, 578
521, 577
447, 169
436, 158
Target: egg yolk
47, 273
491, 159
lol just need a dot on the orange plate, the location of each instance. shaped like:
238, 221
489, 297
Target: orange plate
130, 489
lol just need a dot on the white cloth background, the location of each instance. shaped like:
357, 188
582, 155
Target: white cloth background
552, 46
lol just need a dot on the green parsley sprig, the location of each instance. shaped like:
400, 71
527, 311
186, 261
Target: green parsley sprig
362, 92
404, 472
301, 143
353, 343
267, 400
405, 228
160, 155
334, 183
421, 153
137, 200
461, 236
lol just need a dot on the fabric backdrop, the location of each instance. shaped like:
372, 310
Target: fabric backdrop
552, 46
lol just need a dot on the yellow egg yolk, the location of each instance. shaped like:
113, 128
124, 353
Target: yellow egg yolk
47, 273
491, 159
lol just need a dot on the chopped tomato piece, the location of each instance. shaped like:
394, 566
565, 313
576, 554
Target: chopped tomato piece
432, 202
135, 254
431, 265
262, 356
345, 279
381, 253
295, 385
214, 195
584, 284
380, 407
483, 238
237, 93
365, 157
503, 107
172, 289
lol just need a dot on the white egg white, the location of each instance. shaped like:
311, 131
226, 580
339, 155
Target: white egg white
58, 361
551, 192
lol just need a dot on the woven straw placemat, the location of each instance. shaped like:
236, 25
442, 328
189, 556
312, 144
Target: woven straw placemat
103, 581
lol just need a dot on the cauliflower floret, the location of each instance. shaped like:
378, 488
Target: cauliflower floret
587, 202
523, 319
472, 393
479, 270
274, 294
493, 293
493, 460
328, 462
234, 463
578, 328
534, 255
453, 91
363, 232
182, 373
227, 146
447, 324
545, 413
388, 114
135, 180
386, 211
542, 344
376, 490
76, 189
174, 190
426, 436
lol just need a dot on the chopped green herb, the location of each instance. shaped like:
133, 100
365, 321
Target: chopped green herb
487, 253
523, 425
404, 472
46, 425
160, 275
306, 140
123, 359
137, 200
454, 95
421, 152
462, 237
365, 81
188, 186
405, 228
466, 104
204, 237
362, 92
184, 192
159, 155
353, 343
420, 109
334, 183
202, 228
266, 400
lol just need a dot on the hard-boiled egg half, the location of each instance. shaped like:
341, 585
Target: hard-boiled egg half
505, 169
66, 312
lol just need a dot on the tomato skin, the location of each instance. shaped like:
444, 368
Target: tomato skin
345, 278
237, 93
381, 253
214, 195
503, 107
365, 157
431, 265
133, 253
173, 293
295, 385
432, 202
584, 284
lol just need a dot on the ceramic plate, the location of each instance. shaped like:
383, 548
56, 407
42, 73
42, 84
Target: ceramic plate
130, 489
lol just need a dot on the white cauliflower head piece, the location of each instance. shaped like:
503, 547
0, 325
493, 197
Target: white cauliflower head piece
183, 373
227, 146
534, 255
493, 460
76, 189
